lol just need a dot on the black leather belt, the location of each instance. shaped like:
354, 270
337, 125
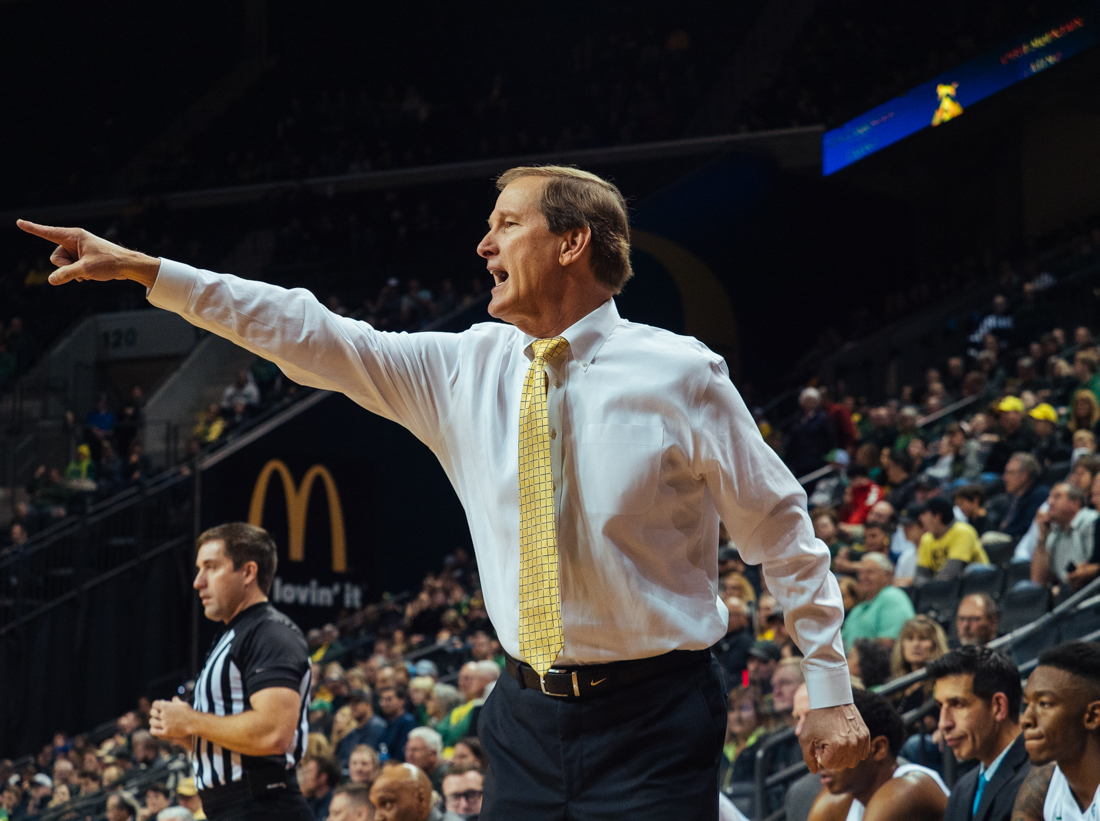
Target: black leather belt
591, 680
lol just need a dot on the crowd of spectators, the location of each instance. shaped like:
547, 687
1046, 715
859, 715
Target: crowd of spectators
906, 496
401, 682
108, 457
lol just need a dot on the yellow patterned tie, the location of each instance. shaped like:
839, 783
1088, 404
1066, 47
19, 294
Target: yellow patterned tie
540, 632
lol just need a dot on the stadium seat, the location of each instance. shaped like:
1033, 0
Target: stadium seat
983, 579
999, 550
1031, 646
1022, 605
938, 596
1082, 622
1017, 572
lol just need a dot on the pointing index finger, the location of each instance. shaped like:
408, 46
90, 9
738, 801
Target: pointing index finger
62, 236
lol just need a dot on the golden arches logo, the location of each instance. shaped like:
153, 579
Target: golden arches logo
297, 507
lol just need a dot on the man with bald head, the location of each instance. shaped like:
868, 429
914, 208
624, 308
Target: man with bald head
401, 793
976, 620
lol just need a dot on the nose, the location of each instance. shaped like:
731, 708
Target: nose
487, 248
1027, 719
199, 582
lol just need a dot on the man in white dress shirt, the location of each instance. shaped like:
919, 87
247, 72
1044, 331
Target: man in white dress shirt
648, 445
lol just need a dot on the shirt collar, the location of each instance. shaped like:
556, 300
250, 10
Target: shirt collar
587, 335
988, 772
1083, 517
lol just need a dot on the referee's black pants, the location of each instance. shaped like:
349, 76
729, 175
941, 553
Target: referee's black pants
231, 804
648, 750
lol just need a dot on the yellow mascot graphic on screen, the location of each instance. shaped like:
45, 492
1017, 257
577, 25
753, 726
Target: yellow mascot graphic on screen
949, 106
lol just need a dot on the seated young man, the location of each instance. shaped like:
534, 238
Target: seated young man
1061, 724
948, 546
878, 788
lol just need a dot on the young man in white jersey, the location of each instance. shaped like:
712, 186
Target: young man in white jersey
880, 789
1061, 724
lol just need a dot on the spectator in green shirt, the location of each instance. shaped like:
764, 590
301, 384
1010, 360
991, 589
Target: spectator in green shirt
884, 609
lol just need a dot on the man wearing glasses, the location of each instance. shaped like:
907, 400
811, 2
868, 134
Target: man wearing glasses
462, 792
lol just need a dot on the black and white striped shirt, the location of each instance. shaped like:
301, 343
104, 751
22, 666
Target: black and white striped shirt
259, 648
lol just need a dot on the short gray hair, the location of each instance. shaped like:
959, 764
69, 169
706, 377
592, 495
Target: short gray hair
1028, 463
881, 559
447, 695
430, 737
175, 814
488, 669
1075, 493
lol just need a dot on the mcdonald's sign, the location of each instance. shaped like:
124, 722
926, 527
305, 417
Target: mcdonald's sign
297, 508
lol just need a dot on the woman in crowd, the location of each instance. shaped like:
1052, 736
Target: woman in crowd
747, 721
1084, 412
468, 751
920, 642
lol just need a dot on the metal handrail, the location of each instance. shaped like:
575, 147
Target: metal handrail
921, 422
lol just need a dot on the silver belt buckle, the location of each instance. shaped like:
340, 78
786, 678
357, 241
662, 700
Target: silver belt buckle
576, 686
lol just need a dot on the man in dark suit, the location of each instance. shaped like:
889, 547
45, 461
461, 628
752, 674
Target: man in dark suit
979, 694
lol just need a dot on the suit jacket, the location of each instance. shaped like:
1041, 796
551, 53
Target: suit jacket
999, 794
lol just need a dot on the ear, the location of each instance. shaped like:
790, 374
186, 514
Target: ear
880, 748
999, 703
251, 571
1092, 716
573, 245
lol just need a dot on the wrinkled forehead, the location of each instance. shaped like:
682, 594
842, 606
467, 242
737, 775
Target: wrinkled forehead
521, 197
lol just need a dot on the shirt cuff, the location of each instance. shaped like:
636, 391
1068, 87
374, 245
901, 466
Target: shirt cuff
173, 286
828, 688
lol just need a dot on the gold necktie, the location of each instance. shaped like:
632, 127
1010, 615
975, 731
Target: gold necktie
540, 631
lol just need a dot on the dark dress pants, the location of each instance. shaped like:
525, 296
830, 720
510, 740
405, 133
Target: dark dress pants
648, 750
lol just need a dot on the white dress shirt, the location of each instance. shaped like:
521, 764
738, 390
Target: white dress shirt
650, 445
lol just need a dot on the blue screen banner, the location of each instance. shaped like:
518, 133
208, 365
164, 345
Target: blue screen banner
950, 94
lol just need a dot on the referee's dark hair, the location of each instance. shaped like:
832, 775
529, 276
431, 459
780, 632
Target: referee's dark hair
993, 672
246, 543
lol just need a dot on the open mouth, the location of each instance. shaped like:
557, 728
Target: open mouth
499, 277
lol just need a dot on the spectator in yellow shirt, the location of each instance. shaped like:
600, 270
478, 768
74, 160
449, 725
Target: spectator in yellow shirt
947, 546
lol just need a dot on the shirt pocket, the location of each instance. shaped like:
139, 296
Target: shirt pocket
618, 467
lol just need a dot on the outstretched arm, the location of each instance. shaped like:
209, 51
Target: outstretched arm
1033, 794
404, 377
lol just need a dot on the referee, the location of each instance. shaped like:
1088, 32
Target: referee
248, 725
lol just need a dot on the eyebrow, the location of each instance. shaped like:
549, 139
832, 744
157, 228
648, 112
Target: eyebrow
501, 213
1041, 693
